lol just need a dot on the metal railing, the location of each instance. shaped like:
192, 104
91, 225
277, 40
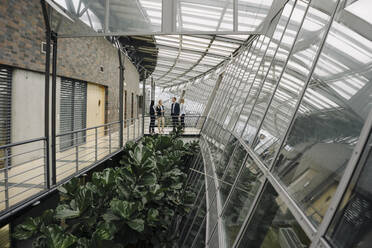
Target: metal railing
24, 171
192, 124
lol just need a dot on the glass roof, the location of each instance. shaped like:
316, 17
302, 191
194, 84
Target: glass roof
144, 17
182, 58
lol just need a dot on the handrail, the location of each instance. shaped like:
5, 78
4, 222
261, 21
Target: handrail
86, 129
22, 142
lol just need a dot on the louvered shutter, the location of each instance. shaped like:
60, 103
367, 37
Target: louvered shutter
66, 113
72, 111
5, 112
80, 106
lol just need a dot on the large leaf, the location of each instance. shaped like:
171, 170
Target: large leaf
123, 209
27, 229
64, 211
70, 187
57, 238
137, 224
104, 231
127, 176
152, 215
148, 179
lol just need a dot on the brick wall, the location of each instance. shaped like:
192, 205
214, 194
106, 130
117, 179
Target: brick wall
22, 31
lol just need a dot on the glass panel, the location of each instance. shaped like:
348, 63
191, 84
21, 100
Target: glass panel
252, 13
266, 74
124, 16
241, 200
292, 81
283, 43
231, 172
231, 83
235, 97
273, 225
353, 216
199, 241
253, 79
223, 157
198, 221
212, 215
329, 121
214, 240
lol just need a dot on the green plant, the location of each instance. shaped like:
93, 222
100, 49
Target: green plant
132, 205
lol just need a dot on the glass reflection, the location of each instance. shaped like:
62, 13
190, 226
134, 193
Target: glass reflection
292, 81
241, 200
355, 212
231, 172
267, 83
273, 225
329, 121
199, 241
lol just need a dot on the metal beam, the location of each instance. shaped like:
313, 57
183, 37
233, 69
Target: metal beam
107, 16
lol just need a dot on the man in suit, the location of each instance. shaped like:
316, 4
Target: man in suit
175, 112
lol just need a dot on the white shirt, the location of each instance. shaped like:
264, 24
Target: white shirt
182, 109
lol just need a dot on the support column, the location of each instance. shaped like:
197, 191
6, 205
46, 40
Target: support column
183, 94
46, 93
152, 89
143, 102
54, 107
121, 91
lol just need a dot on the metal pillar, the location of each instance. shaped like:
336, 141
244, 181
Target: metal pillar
46, 96
54, 107
143, 102
152, 89
121, 90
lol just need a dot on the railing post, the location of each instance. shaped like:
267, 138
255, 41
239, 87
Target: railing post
6, 178
109, 132
96, 143
77, 153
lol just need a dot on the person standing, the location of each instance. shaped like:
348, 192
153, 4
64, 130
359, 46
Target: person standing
160, 114
182, 112
175, 112
152, 118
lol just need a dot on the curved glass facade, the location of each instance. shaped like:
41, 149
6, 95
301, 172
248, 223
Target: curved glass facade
285, 142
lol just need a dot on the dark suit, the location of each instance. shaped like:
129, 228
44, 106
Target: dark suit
175, 112
152, 119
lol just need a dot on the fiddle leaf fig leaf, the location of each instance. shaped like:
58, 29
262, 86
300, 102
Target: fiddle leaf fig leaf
137, 225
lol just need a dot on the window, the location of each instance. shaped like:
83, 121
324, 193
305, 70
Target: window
73, 108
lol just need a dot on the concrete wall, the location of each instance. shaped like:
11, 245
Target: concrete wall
27, 115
